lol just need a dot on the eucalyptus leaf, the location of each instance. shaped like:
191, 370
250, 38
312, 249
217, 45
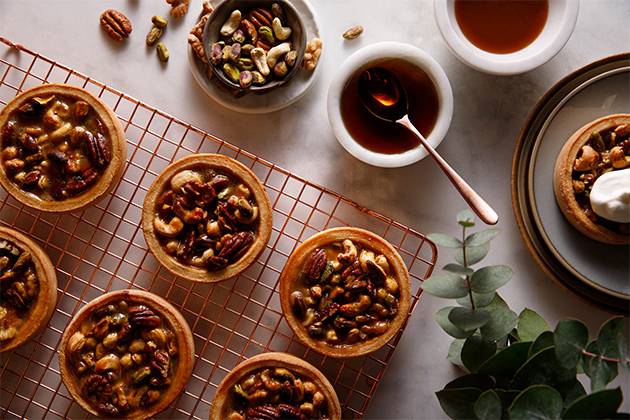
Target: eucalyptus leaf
602, 372
497, 302
607, 337
459, 403
544, 341
458, 270
481, 299
502, 321
507, 361
455, 352
454, 331
446, 241
472, 380
476, 351
468, 319
488, 406
466, 218
577, 392
474, 254
530, 325
481, 237
623, 351
544, 369
488, 279
446, 286
570, 337
585, 362
598, 405
537, 402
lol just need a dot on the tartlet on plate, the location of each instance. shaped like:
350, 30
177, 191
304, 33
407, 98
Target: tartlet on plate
281, 384
29, 289
207, 218
63, 148
345, 292
583, 159
127, 354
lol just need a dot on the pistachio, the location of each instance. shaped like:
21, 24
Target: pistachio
265, 33
141, 375
245, 64
234, 53
278, 12
245, 79
159, 21
246, 50
162, 52
232, 23
154, 34
238, 36
232, 72
353, 32
290, 58
596, 141
280, 69
258, 78
216, 53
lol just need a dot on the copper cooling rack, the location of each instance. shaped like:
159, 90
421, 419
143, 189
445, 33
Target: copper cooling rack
102, 249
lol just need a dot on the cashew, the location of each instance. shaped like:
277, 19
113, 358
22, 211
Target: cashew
231, 24
201, 261
281, 32
618, 159
182, 178
189, 216
382, 262
587, 160
108, 362
349, 252
276, 52
259, 57
170, 230
363, 259
391, 285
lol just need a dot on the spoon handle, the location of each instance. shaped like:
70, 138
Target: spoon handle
478, 205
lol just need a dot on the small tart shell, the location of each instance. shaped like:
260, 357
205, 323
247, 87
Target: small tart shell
563, 182
238, 171
220, 408
46, 299
175, 322
293, 271
107, 180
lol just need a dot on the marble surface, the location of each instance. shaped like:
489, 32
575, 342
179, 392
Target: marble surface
490, 112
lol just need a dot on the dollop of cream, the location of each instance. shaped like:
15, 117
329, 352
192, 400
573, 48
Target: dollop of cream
610, 196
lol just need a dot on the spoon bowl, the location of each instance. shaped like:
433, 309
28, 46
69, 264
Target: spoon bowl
384, 96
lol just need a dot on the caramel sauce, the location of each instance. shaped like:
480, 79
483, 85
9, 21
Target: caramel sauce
383, 136
501, 26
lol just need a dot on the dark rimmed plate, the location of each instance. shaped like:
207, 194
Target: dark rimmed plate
596, 273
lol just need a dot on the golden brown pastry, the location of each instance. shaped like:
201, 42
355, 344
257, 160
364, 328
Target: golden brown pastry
29, 289
127, 354
345, 292
589, 156
63, 148
207, 218
278, 385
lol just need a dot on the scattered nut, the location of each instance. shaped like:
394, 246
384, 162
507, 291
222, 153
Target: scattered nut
154, 34
162, 52
159, 21
353, 32
117, 26
197, 46
311, 56
179, 7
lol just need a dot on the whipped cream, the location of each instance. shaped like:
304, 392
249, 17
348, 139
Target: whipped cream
610, 196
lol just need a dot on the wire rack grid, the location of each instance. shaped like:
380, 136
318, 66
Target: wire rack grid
102, 249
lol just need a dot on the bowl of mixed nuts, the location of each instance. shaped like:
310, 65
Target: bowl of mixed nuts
126, 354
255, 45
207, 218
275, 385
63, 148
345, 292
28, 286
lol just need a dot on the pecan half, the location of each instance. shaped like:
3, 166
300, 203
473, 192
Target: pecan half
236, 246
216, 263
117, 26
315, 266
97, 386
291, 411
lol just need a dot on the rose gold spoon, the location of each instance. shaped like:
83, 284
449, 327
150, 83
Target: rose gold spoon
384, 96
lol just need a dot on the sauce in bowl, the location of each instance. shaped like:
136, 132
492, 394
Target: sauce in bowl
501, 26
385, 137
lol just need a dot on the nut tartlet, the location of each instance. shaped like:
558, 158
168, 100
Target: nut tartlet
126, 354
275, 385
29, 289
345, 292
598, 147
63, 148
207, 218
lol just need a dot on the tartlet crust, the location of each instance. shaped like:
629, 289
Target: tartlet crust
293, 271
176, 323
113, 172
226, 165
563, 182
221, 401
46, 300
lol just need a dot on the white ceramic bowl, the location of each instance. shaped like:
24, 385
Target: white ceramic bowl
560, 23
362, 59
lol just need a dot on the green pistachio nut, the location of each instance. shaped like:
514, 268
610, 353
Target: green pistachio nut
162, 52
258, 78
281, 69
159, 21
266, 34
234, 53
245, 64
153, 35
245, 79
216, 53
238, 36
290, 58
232, 72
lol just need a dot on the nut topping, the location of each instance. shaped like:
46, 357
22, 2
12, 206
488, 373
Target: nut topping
117, 26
